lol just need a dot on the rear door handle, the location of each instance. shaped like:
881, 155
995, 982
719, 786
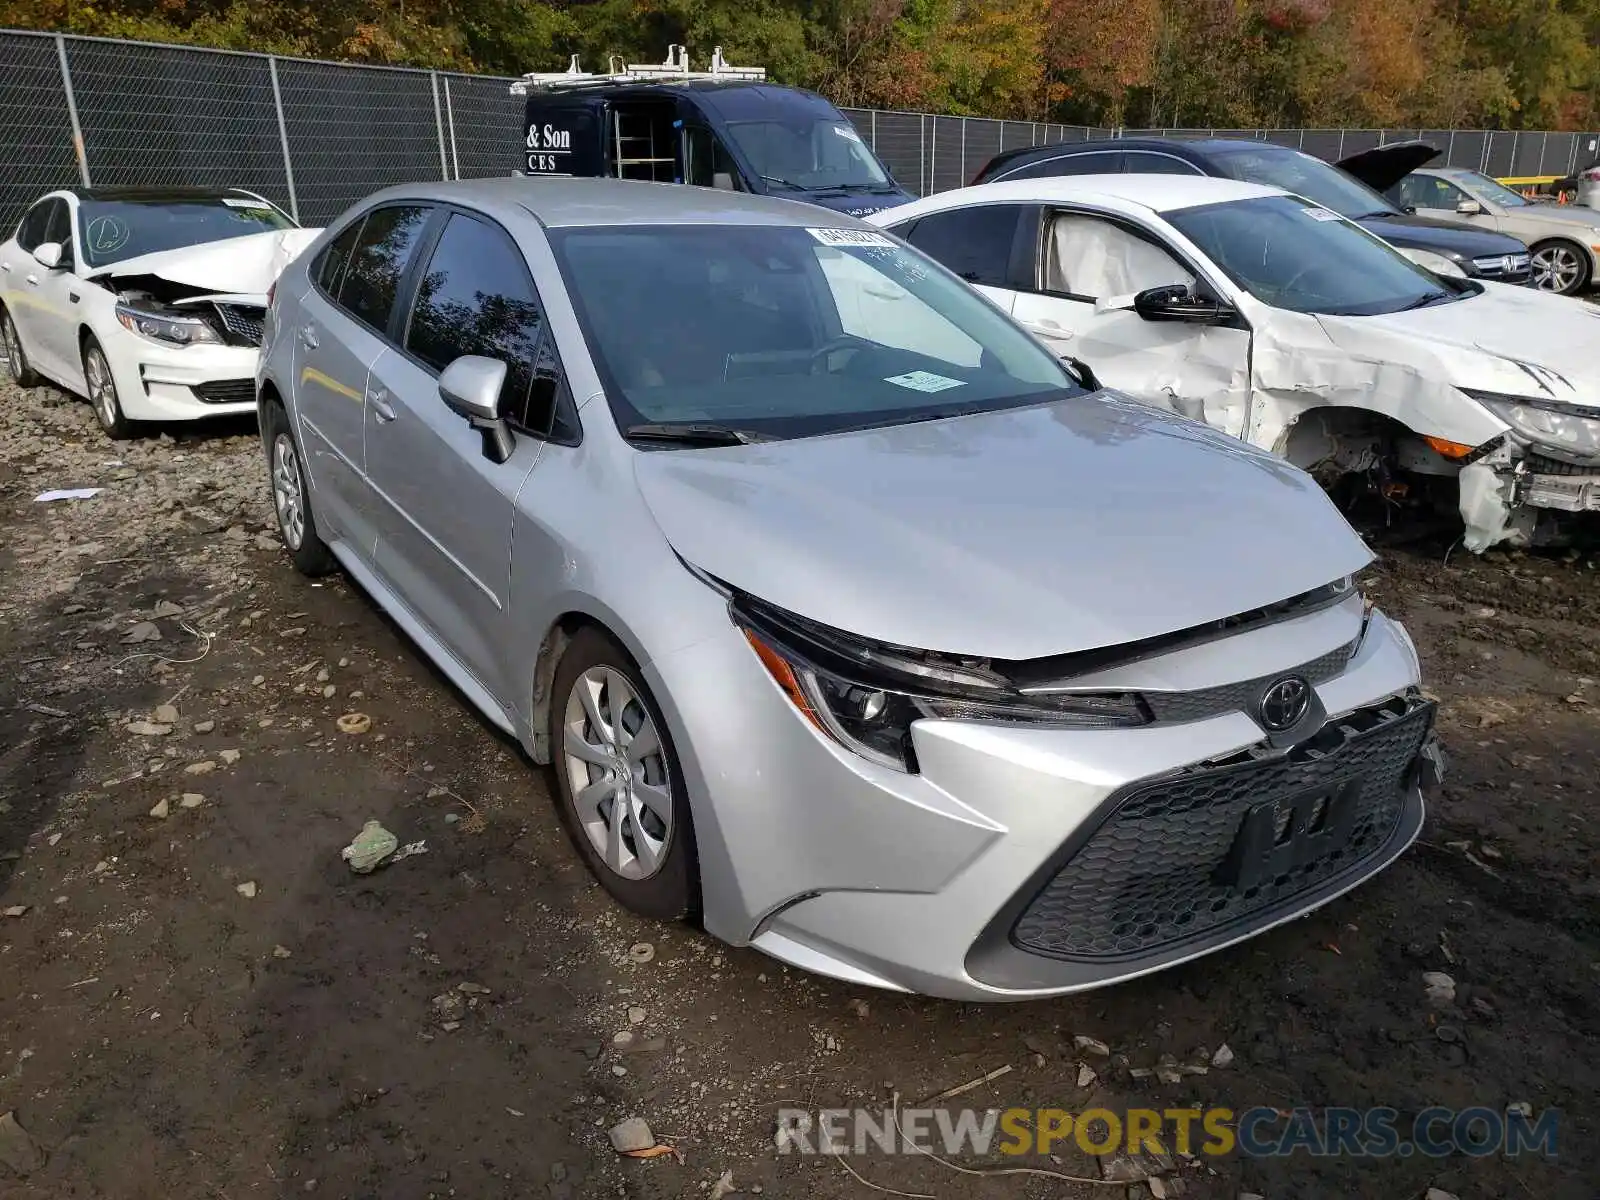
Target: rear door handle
381, 408
1048, 328
308, 337
33, 280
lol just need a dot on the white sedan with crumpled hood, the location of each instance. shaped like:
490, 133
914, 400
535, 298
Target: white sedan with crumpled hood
1286, 325
148, 301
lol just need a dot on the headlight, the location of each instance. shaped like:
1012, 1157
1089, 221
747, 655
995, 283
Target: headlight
1428, 260
1566, 427
865, 695
173, 331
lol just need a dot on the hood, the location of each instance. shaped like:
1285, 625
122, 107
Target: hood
1479, 343
858, 204
1087, 523
244, 265
1384, 166
1450, 237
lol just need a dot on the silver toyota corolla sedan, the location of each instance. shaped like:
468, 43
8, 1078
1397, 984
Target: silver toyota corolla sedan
851, 620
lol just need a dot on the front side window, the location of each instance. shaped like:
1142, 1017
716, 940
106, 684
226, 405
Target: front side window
60, 231
1098, 162
382, 251
1299, 257
1305, 176
1429, 191
115, 230
476, 297
975, 243
1144, 162
708, 162
31, 233
809, 154
789, 332
1093, 258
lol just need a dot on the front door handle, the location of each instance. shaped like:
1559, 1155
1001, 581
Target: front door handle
308, 337
33, 281
381, 408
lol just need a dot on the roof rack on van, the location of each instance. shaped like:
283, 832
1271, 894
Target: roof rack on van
674, 70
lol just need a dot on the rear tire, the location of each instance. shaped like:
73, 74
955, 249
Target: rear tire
1561, 267
22, 374
102, 388
291, 496
614, 761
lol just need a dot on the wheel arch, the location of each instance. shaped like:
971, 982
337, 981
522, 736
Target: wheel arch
558, 636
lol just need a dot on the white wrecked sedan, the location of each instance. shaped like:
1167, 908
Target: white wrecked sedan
1281, 323
148, 301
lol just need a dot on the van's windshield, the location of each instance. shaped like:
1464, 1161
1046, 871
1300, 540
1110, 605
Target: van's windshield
809, 154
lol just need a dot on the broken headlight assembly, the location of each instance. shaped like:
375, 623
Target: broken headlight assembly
1569, 429
865, 695
168, 329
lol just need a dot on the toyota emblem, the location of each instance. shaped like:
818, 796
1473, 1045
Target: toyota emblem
1284, 704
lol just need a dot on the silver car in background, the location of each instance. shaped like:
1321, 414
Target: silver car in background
851, 621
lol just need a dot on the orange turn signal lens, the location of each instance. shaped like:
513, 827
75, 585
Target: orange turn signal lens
1449, 449
783, 675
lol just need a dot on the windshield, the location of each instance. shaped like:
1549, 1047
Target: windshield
809, 154
1306, 259
114, 230
786, 332
1491, 190
1305, 176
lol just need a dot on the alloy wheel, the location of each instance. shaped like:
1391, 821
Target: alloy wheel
102, 391
286, 491
13, 349
615, 765
1556, 268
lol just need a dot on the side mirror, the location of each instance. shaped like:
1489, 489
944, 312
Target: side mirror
48, 255
1469, 208
1410, 210
470, 387
1177, 302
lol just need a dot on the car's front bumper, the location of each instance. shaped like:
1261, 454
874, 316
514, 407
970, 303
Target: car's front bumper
948, 882
181, 383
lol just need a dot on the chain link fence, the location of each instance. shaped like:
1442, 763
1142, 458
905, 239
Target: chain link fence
315, 137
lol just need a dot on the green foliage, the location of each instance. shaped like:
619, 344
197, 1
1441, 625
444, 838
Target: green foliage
1161, 63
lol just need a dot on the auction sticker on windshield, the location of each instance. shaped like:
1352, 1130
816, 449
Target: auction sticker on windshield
1322, 214
851, 237
925, 381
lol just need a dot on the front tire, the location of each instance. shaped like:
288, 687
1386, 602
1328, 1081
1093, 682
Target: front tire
619, 788
291, 496
1561, 267
22, 374
102, 388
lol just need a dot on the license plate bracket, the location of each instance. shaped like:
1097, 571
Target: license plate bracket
1276, 837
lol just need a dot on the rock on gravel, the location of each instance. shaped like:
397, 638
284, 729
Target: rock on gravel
630, 1135
19, 1153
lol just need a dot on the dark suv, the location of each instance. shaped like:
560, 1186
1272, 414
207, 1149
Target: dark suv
1346, 188
725, 128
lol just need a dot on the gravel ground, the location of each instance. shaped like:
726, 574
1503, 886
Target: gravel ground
198, 998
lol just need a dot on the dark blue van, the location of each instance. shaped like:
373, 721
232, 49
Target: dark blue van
726, 128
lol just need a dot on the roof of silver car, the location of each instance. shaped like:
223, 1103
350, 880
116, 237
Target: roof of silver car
562, 202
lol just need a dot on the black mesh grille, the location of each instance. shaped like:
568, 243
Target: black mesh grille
1239, 697
1540, 464
242, 323
1162, 867
227, 391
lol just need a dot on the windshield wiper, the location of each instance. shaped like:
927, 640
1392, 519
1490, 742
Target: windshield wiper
1380, 212
782, 182
694, 434
1424, 300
